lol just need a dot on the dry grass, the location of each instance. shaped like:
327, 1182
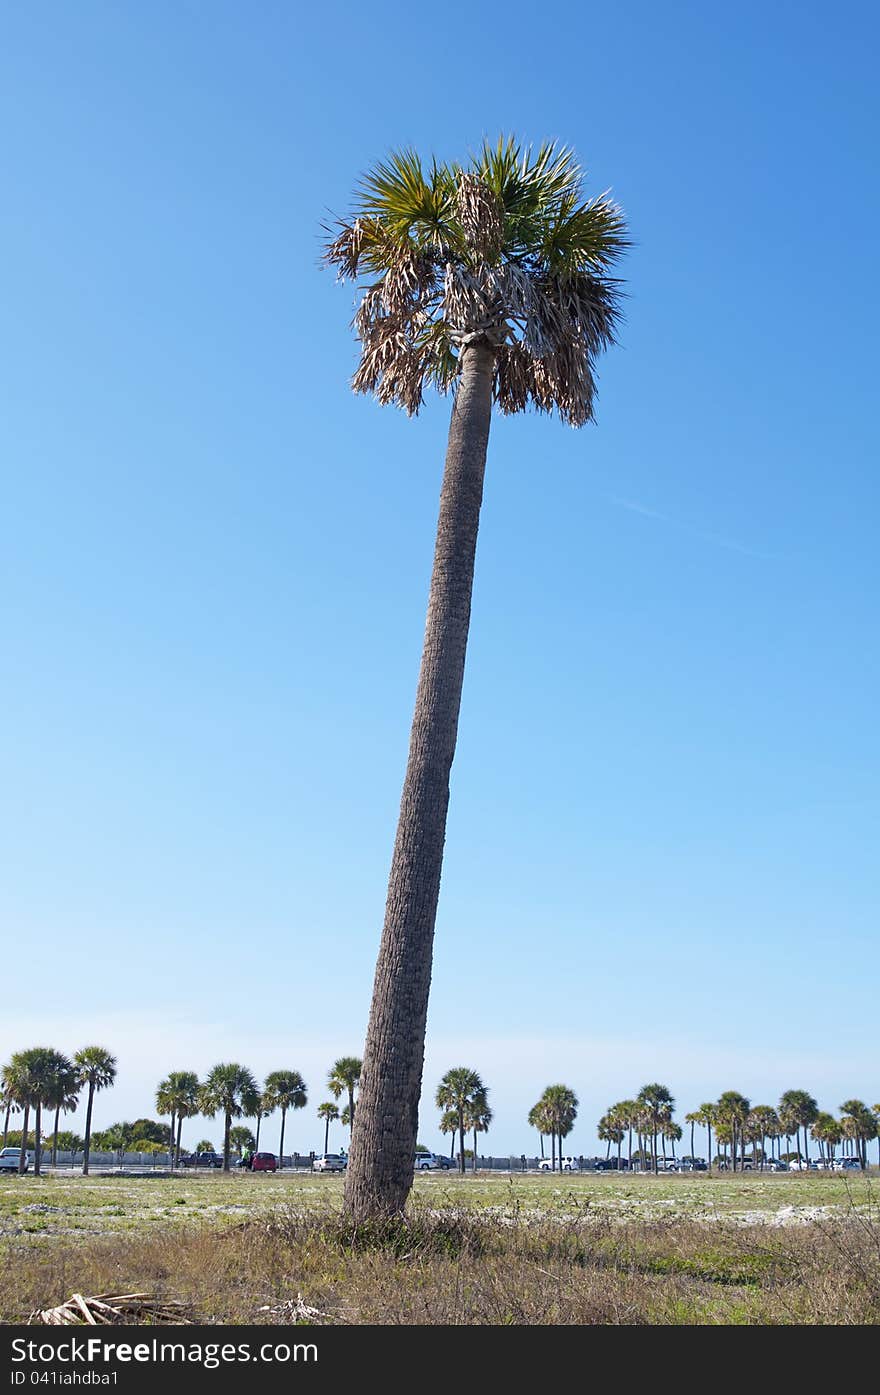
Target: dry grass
460, 1266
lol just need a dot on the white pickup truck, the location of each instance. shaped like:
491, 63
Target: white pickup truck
564, 1165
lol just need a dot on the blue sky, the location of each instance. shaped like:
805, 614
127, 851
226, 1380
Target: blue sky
661, 851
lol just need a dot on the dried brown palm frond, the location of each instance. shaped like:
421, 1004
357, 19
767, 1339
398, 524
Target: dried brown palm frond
107, 1309
507, 252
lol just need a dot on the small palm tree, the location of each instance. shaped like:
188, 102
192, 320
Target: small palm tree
96, 1069
231, 1090
492, 280
345, 1076
449, 1125
611, 1130
285, 1089
459, 1091
329, 1112
539, 1119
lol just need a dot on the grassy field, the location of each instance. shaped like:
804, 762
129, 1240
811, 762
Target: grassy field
487, 1249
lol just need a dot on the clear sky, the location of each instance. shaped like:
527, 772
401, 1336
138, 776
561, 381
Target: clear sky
661, 853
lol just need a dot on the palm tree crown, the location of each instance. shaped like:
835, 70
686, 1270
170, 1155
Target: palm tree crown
344, 1078
461, 1093
507, 250
284, 1089
232, 1090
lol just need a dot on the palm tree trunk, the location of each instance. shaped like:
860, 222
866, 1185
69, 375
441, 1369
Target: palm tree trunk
171, 1141
55, 1135
37, 1150
692, 1138
475, 1150
460, 1144
177, 1146
6, 1122
226, 1127
87, 1142
380, 1173
326, 1132
281, 1144
540, 1136
22, 1152
257, 1144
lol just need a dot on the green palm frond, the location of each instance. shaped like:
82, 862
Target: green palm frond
506, 250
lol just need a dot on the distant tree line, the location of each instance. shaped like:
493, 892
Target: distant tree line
42, 1083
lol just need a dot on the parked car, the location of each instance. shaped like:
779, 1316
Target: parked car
846, 1165
202, 1160
264, 1162
563, 1164
775, 1165
9, 1159
689, 1164
432, 1161
609, 1165
329, 1162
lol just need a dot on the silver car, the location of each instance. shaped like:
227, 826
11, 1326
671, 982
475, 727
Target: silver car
9, 1160
329, 1162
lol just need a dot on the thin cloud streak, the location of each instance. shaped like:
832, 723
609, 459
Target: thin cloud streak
715, 539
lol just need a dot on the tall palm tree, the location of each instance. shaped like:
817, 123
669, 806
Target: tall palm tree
96, 1068
732, 1110
764, 1121
8, 1100
20, 1087
459, 1090
658, 1104
231, 1090
859, 1122
562, 1106
165, 1104
345, 1076
285, 1089
538, 1119
62, 1093
706, 1116
626, 1112
178, 1096
480, 1116
327, 1111
798, 1110
492, 280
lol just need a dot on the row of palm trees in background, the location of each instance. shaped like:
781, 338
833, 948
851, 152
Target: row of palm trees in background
42, 1079
737, 1123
